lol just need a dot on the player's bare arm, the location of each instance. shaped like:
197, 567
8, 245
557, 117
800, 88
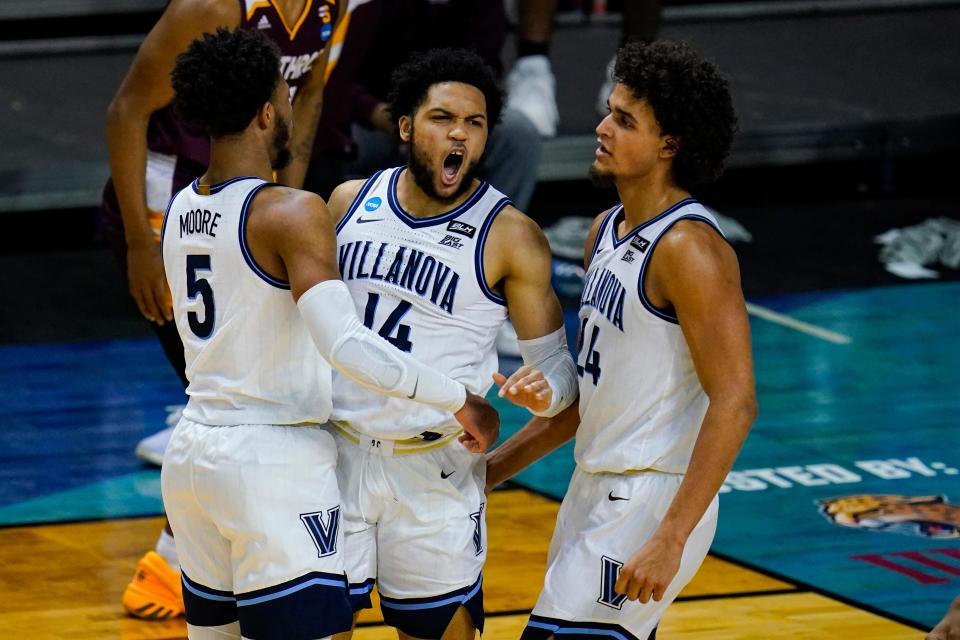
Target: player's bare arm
145, 89
540, 435
292, 236
306, 116
342, 197
518, 262
695, 272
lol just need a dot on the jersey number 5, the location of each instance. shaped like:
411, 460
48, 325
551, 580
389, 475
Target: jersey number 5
200, 287
591, 358
402, 338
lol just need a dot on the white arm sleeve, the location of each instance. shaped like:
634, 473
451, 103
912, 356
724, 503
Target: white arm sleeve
366, 358
551, 356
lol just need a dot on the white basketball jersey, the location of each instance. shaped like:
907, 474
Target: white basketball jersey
641, 404
419, 283
250, 359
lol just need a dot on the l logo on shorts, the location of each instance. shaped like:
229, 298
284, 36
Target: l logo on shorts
323, 534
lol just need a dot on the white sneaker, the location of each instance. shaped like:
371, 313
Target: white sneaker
531, 90
606, 88
152, 448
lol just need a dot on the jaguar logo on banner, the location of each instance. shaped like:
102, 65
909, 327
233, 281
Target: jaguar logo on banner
924, 516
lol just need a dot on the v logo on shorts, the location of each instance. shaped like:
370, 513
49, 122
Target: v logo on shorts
324, 534
610, 571
477, 518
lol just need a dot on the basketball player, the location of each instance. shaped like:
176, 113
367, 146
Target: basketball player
249, 479
666, 373
435, 261
153, 155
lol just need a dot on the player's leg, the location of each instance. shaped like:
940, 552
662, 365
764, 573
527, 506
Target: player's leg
361, 504
433, 542
461, 627
590, 546
280, 507
204, 552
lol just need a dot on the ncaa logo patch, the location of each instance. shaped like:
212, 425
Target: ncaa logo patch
372, 204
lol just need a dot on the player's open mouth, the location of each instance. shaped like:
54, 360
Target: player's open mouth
451, 167
602, 152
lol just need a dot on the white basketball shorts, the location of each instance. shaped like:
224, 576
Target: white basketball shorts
414, 523
256, 515
604, 520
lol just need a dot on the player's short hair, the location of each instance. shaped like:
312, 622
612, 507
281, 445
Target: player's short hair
411, 81
223, 78
691, 100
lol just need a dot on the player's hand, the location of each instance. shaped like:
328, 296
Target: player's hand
649, 572
949, 627
480, 422
525, 388
148, 282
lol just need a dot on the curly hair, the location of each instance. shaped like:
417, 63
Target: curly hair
691, 100
411, 81
223, 78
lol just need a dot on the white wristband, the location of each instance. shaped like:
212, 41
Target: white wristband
550, 355
366, 358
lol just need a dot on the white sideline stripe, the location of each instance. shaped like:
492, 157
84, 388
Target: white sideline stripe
798, 325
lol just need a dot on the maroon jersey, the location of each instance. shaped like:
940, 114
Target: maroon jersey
302, 42
301, 45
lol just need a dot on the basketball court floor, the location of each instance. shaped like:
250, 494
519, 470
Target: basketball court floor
858, 396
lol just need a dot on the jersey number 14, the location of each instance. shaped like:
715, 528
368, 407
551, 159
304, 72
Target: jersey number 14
591, 357
391, 330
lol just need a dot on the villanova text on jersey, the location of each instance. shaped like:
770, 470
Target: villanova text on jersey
605, 293
408, 268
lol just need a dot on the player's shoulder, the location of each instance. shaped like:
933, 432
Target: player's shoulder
692, 233
599, 219
516, 228
593, 233
343, 196
696, 244
287, 205
225, 12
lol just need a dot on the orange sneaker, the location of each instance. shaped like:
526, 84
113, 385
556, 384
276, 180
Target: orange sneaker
155, 592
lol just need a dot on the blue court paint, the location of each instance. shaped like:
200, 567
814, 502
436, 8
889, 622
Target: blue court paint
133, 494
73, 413
883, 411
